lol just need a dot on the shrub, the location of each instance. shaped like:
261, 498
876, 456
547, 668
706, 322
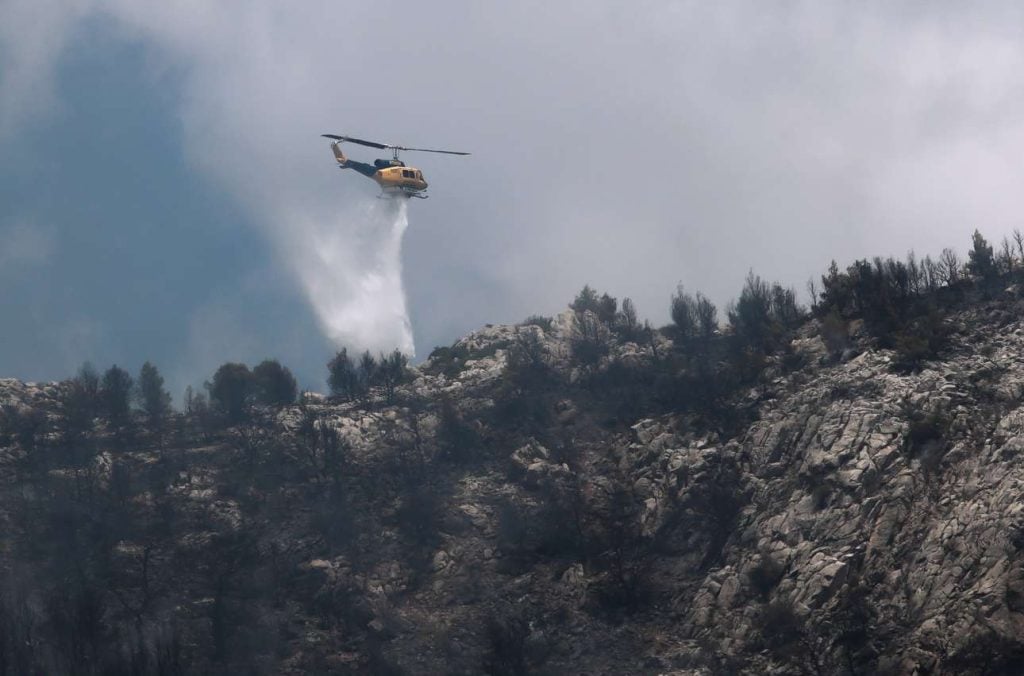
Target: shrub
627, 325
835, 332
392, 372
926, 440
920, 340
982, 260
23, 425
684, 314
590, 339
765, 575
78, 408
751, 317
419, 516
527, 364
784, 633
231, 391
456, 441
274, 384
506, 641
88, 382
545, 323
707, 317
585, 300
342, 377
367, 373
604, 307
763, 313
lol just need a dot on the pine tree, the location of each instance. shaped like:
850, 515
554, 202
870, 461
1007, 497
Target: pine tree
155, 400
115, 390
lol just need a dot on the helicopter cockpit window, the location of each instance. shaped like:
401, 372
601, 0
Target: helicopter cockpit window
406, 173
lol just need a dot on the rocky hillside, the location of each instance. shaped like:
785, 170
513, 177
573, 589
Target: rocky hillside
516, 510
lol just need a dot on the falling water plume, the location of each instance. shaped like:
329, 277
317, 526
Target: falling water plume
352, 274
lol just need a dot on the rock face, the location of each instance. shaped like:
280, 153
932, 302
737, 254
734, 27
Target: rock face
859, 521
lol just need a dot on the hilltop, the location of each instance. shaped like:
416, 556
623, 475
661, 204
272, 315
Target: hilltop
569, 495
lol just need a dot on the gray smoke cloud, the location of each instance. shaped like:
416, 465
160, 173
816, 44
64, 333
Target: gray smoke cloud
629, 147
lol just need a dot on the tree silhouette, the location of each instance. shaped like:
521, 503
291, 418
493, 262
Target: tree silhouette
155, 400
274, 384
115, 391
231, 391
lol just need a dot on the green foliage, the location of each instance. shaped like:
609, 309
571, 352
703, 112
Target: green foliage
354, 381
926, 439
591, 339
342, 377
683, 313
419, 517
586, 299
457, 441
451, 360
392, 371
155, 400
921, 339
694, 317
763, 314
367, 372
231, 391
524, 400
88, 381
627, 325
320, 445
80, 403
604, 307
545, 323
751, 316
274, 384
626, 556
22, 425
981, 260
115, 393
835, 333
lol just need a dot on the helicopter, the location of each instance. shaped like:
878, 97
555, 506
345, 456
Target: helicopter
393, 176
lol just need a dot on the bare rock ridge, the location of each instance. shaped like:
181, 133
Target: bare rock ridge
506, 514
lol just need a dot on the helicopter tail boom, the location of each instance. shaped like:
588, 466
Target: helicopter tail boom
345, 163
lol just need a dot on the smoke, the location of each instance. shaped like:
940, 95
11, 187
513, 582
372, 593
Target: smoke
350, 267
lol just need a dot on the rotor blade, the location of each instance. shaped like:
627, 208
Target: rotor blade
372, 144
428, 150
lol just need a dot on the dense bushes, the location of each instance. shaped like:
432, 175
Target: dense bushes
353, 381
693, 317
273, 384
901, 302
231, 391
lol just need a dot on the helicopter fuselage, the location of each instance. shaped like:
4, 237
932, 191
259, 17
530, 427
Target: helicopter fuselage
399, 178
392, 175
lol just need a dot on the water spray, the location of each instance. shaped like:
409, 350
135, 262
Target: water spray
352, 275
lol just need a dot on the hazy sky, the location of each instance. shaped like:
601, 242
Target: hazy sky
163, 187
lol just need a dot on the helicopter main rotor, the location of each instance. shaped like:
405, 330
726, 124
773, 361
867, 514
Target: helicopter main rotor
387, 146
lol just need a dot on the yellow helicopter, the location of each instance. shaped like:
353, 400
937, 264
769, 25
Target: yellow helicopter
393, 176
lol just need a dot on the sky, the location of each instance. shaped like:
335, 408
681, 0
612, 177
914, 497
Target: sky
165, 194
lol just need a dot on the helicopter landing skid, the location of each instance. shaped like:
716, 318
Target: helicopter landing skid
391, 196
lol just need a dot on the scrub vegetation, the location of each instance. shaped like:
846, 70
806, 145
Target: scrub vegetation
456, 518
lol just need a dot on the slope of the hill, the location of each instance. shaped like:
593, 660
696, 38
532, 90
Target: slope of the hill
504, 516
